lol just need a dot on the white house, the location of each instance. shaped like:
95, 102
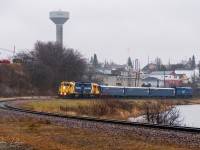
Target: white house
168, 77
190, 73
164, 75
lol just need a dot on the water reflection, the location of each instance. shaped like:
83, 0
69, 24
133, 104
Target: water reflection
190, 115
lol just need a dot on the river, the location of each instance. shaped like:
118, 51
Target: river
190, 115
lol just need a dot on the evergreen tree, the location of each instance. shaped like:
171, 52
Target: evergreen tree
190, 62
130, 62
91, 60
95, 61
158, 63
199, 67
162, 68
193, 63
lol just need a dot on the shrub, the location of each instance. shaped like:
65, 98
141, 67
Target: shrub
101, 107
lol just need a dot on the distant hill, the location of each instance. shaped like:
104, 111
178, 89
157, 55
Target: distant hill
14, 81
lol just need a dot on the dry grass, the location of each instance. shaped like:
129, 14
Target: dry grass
115, 109
45, 136
103, 108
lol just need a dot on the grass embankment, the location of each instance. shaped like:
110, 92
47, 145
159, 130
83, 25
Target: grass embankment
96, 108
45, 136
102, 108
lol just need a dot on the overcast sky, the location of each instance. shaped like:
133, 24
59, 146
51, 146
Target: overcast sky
112, 29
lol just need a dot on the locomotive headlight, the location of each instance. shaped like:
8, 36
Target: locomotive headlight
64, 87
60, 93
64, 93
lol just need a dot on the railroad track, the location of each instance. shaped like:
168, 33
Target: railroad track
4, 105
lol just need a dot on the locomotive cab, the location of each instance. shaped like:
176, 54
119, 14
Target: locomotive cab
63, 89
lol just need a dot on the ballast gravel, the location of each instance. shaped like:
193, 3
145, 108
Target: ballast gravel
163, 135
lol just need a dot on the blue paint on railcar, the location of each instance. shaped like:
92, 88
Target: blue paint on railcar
78, 88
83, 88
136, 92
87, 88
162, 92
183, 92
111, 91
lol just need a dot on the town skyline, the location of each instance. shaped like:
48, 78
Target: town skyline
113, 30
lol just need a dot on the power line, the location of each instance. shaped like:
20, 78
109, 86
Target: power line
6, 50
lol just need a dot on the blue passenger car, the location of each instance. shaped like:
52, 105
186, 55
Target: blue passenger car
185, 92
136, 92
111, 91
162, 92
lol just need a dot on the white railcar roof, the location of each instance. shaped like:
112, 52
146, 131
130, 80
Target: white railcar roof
162, 88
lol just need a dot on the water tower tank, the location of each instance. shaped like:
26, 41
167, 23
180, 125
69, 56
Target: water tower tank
59, 18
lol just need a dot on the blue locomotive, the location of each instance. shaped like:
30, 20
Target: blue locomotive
183, 92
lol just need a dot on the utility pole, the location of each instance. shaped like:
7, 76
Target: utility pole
164, 78
194, 77
14, 52
136, 79
138, 76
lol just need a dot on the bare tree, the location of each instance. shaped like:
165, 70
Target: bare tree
49, 64
161, 112
92, 75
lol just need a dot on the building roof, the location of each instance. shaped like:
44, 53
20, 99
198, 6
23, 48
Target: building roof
162, 73
184, 69
181, 75
149, 79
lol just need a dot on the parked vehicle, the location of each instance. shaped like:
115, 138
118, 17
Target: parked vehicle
5, 61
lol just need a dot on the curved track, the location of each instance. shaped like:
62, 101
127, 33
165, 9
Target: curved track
4, 105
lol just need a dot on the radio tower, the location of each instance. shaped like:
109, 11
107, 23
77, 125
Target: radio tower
59, 18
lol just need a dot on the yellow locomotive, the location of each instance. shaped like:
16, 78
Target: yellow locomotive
79, 89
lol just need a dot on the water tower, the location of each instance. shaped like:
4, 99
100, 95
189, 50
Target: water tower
59, 18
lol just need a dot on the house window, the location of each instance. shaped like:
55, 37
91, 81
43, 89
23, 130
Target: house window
118, 84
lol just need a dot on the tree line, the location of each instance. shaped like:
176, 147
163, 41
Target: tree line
50, 63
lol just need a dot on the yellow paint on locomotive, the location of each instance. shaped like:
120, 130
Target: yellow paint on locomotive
71, 88
68, 89
63, 88
95, 89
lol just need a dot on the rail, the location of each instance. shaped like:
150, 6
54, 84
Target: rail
3, 105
